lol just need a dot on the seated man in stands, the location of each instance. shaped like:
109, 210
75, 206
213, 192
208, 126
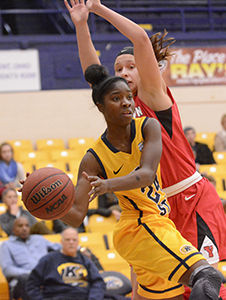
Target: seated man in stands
66, 274
202, 152
19, 255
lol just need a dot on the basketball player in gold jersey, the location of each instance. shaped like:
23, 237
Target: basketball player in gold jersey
125, 160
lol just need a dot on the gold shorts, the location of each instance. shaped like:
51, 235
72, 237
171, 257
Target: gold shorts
157, 252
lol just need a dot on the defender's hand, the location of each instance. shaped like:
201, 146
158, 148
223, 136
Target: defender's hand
92, 5
78, 11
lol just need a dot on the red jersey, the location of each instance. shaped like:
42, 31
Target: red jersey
177, 161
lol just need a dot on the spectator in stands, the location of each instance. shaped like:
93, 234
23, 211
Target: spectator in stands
14, 211
220, 138
10, 198
19, 255
11, 172
66, 275
203, 154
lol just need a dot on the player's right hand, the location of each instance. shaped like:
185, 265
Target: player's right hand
78, 11
98, 186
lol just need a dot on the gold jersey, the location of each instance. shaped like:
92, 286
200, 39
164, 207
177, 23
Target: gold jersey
115, 163
149, 242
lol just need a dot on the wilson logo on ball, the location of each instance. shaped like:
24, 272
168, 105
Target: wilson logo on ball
44, 191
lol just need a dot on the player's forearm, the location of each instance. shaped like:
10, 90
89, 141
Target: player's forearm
87, 52
76, 215
127, 27
137, 179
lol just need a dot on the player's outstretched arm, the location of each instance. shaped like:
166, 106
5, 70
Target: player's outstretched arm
142, 177
79, 209
79, 15
146, 63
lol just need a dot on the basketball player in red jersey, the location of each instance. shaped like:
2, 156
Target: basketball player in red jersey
192, 198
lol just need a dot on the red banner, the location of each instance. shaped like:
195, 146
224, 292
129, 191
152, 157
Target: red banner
197, 66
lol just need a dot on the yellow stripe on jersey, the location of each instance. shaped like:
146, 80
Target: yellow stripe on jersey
115, 163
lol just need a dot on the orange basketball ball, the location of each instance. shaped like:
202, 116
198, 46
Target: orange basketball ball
48, 193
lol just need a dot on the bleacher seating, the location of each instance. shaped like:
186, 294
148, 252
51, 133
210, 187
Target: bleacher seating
73, 165
220, 158
50, 144
222, 194
4, 290
81, 145
58, 164
218, 171
222, 267
28, 167
65, 155
212, 169
99, 223
52, 153
206, 138
112, 261
19, 145
33, 156
2, 208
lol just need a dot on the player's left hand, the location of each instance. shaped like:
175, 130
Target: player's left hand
22, 182
99, 186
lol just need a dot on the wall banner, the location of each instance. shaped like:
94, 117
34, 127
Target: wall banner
19, 70
197, 66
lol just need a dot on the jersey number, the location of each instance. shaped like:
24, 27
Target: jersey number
155, 196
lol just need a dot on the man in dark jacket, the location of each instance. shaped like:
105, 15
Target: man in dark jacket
66, 274
202, 152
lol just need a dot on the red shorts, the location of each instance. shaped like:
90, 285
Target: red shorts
199, 216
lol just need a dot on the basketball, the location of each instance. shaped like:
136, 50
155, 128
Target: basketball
48, 193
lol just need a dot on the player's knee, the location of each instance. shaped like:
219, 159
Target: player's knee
205, 282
